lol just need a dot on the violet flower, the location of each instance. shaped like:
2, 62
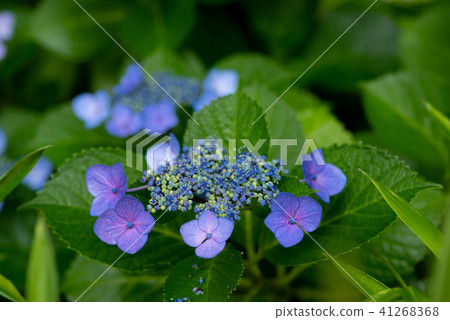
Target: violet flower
163, 153
287, 211
328, 179
124, 122
208, 234
127, 225
160, 117
107, 185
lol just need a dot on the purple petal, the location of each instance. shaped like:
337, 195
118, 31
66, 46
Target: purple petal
129, 207
312, 163
98, 179
209, 249
124, 122
285, 202
309, 213
208, 222
109, 226
191, 233
289, 235
103, 202
130, 80
39, 175
160, 117
221, 82
131, 241
330, 181
275, 220
224, 230
163, 153
144, 222
92, 109
118, 177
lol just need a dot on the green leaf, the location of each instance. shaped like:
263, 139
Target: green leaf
230, 117
256, 67
365, 283
216, 277
355, 57
409, 294
282, 122
358, 210
12, 121
60, 127
394, 108
424, 44
442, 121
19, 170
293, 185
398, 248
64, 28
157, 24
441, 278
415, 220
9, 291
65, 202
113, 286
42, 273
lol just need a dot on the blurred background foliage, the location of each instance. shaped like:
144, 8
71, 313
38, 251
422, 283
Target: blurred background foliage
370, 86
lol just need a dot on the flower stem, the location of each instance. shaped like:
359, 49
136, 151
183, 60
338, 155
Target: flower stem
137, 188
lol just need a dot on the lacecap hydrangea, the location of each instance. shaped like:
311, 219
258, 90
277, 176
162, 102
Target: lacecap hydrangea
207, 183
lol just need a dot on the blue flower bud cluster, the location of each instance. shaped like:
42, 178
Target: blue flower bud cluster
204, 178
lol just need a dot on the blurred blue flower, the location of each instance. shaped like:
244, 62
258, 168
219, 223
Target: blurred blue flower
163, 153
208, 234
160, 117
91, 108
328, 179
107, 185
126, 226
124, 121
130, 81
3, 142
7, 24
287, 210
218, 83
39, 175
1, 205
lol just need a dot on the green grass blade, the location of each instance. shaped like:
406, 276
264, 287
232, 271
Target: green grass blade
441, 283
440, 119
417, 222
9, 291
19, 170
42, 275
366, 284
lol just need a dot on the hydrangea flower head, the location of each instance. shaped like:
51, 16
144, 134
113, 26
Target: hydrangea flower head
208, 234
39, 175
287, 211
107, 185
130, 81
218, 83
127, 225
91, 108
162, 154
7, 24
124, 122
328, 179
160, 117
3, 142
